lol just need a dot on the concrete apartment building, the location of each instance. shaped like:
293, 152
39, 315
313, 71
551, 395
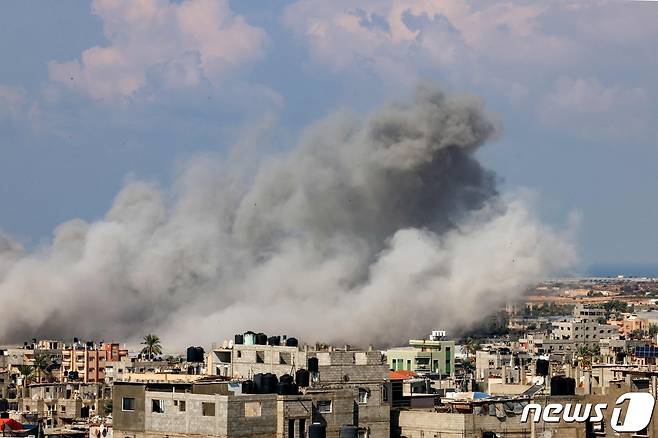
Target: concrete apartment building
422, 356
86, 362
491, 362
584, 328
243, 361
630, 323
61, 403
160, 410
347, 388
365, 374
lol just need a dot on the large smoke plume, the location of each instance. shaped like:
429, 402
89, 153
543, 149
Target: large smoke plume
368, 230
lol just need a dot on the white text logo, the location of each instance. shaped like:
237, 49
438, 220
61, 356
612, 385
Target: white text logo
638, 412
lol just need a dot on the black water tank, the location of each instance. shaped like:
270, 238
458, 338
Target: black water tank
317, 430
4, 415
563, 386
265, 383
313, 364
286, 388
261, 339
274, 340
239, 339
349, 432
286, 378
302, 377
620, 357
4, 404
292, 342
248, 387
193, 354
541, 367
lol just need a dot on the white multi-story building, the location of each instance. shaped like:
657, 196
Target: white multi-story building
584, 328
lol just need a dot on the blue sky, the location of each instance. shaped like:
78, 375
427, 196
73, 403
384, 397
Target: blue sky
94, 94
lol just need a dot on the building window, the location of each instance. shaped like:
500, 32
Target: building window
181, 406
157, 406
239, 354
285, 358
128, 404
260, 357
324, 406
363, 395
208, 409
252, 409
384, 393
291, 428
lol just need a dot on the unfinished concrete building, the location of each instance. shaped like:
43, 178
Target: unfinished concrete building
211, 409
61, 403
243, 361
364, 373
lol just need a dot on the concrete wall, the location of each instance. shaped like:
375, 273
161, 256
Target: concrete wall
129, 421
245, 360
351, 372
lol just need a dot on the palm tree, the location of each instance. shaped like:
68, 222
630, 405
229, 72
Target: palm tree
41, 364
27, 371
152, 346
471, 346
585, 357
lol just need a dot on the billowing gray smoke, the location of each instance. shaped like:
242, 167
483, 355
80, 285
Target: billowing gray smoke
367, 231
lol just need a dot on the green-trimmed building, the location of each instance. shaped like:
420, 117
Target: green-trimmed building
424, 356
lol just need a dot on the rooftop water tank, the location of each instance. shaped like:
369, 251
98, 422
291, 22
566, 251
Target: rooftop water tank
302, 377
265, 383
261, 339
249, 338
317, 430
349, 431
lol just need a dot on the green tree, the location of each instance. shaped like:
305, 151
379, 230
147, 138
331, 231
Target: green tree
584, 355
653, 330
27, 371
471, 346
152, 346
637, 334
41, 365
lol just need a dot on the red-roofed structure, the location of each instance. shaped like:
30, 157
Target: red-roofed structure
401, 375
10, 424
